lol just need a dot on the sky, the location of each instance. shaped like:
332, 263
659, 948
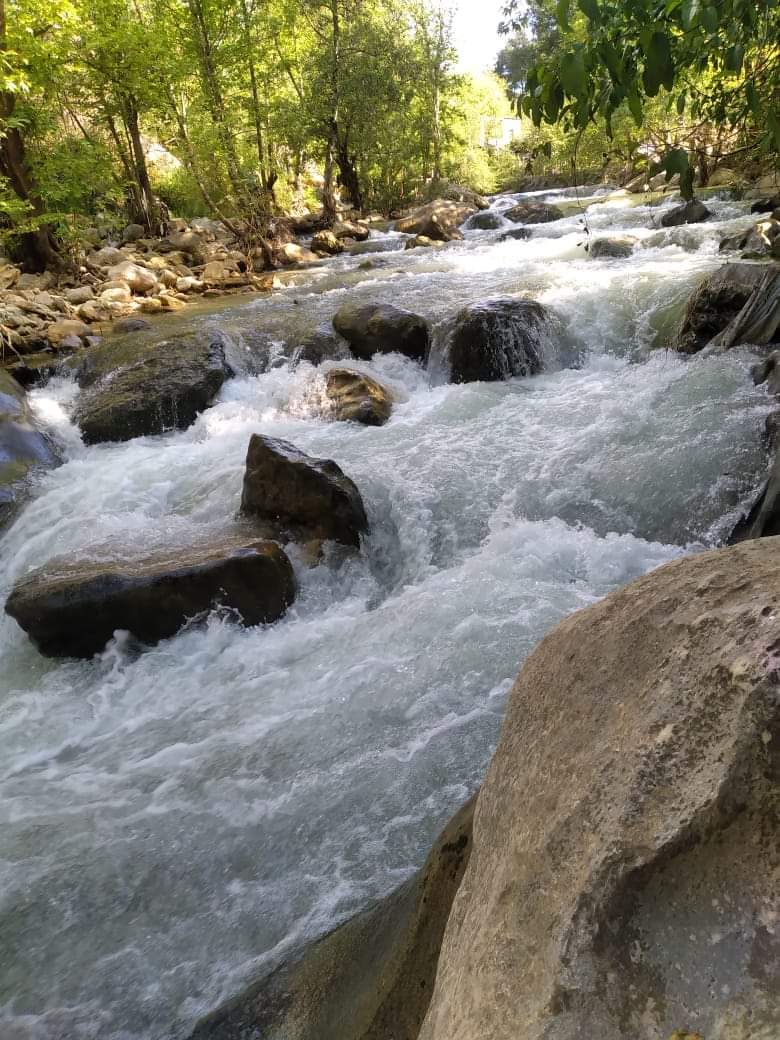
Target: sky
476, 35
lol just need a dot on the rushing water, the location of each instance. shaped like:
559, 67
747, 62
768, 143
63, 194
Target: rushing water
174, 820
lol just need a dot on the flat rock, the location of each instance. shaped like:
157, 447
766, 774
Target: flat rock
534, 213
438, 220
611, 248
133, 390
356, 397
23, 448
300, 497
624, 874
72, 609
381, 328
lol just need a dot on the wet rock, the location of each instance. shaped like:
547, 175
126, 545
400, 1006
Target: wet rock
73, 609
611, 248
321, 345
350, 229
438, 220
486, 220
356, 397
691, 212
23, 448
370, 979
134, 390
513, 234
326, 243
65, 327
766, 205
638, 897
381, 328
493, 340
125, 325
294, 253
423, 242
534, 213
717, 301
301, 497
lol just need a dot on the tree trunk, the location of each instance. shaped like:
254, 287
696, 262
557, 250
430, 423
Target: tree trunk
147, 210
348, 174
328, 187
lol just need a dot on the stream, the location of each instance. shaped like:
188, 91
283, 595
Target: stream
175, 821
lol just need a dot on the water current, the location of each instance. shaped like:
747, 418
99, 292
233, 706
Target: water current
175, 820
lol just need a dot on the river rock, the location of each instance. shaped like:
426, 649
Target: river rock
321, 345
135, 389
325, 243
438, 220
623, 879
356, 397
765, 205
302, 498
691, 212
486, 220
295, 253
72, 609
493, 340
132, 232
534, 213
513, 234
81, 294
611, 248
371, 978
60, 330
138, 279
381, 328
23, 448
716, 302
350, 229
125, 325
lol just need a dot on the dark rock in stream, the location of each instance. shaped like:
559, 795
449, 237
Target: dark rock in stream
381, 328
356, 397
493, 340
23, 448
370, 979
534, 213
691, 212
321, 345
72, 609
300, 497
486, 220
439, 220
136, 388
718, 302
520, 233
611, 248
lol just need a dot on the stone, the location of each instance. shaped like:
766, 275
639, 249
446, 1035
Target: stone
92, 311
623, 878
534, 213
723, 177
189, 283
611, 248
294, 253
215, 273
321, 345
72, 609
138, 279
116, 294
350, 229
485, 220
765, 205
137, 389
81, 294
301, 497
438, 220
60, 330
9, 276
325, 242
133, 232
381, 328
35, 281
423, 242
513, 234
131, 325
108, 256
716, 302
369, 979
492, 340
151, 305
356, 397
23, 448
186, 242
691, 212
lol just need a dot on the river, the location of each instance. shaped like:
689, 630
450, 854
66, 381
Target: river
175, 820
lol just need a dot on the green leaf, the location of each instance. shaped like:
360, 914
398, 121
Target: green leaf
734, 57
752, 99
635, 106
591, 9
659, 67
562, 14
688, 13
573, 75
609, 55
709, 19
681, 101
774, 129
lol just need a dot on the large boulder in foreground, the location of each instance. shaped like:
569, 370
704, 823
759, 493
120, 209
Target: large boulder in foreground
72, 609
356, 397
381, 328
625, 871
438, 220
493, 340
300, 497
370, 979
534, 213
717, 302
23, 448
138, 388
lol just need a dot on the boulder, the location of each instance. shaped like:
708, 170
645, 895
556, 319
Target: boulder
513, 234
300, 497
321, 345
23, 448
326, 243
81, 294
438, 220
9, 276
108, 256
485, 220
356, 397
759, 241
188, 242
72, 609
294, 253
691, 212
716, 302
350, 229
492, 340
138, 279
611, 248
534, 213
381, 328
766, 205
134, 390
125, 325
723, 177
65, 327
623, 878
423, 242
371, 978
116, 293
133, 232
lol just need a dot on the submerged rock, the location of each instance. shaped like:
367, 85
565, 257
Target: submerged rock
370, 979
355, 397
438, 220
486, 220
381, 328
493, 340
321, 345
300, 497
515, 233
623, 879
73, 609
716, 302
691, 212
136, 389
534, 213
613, 248
23, 448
